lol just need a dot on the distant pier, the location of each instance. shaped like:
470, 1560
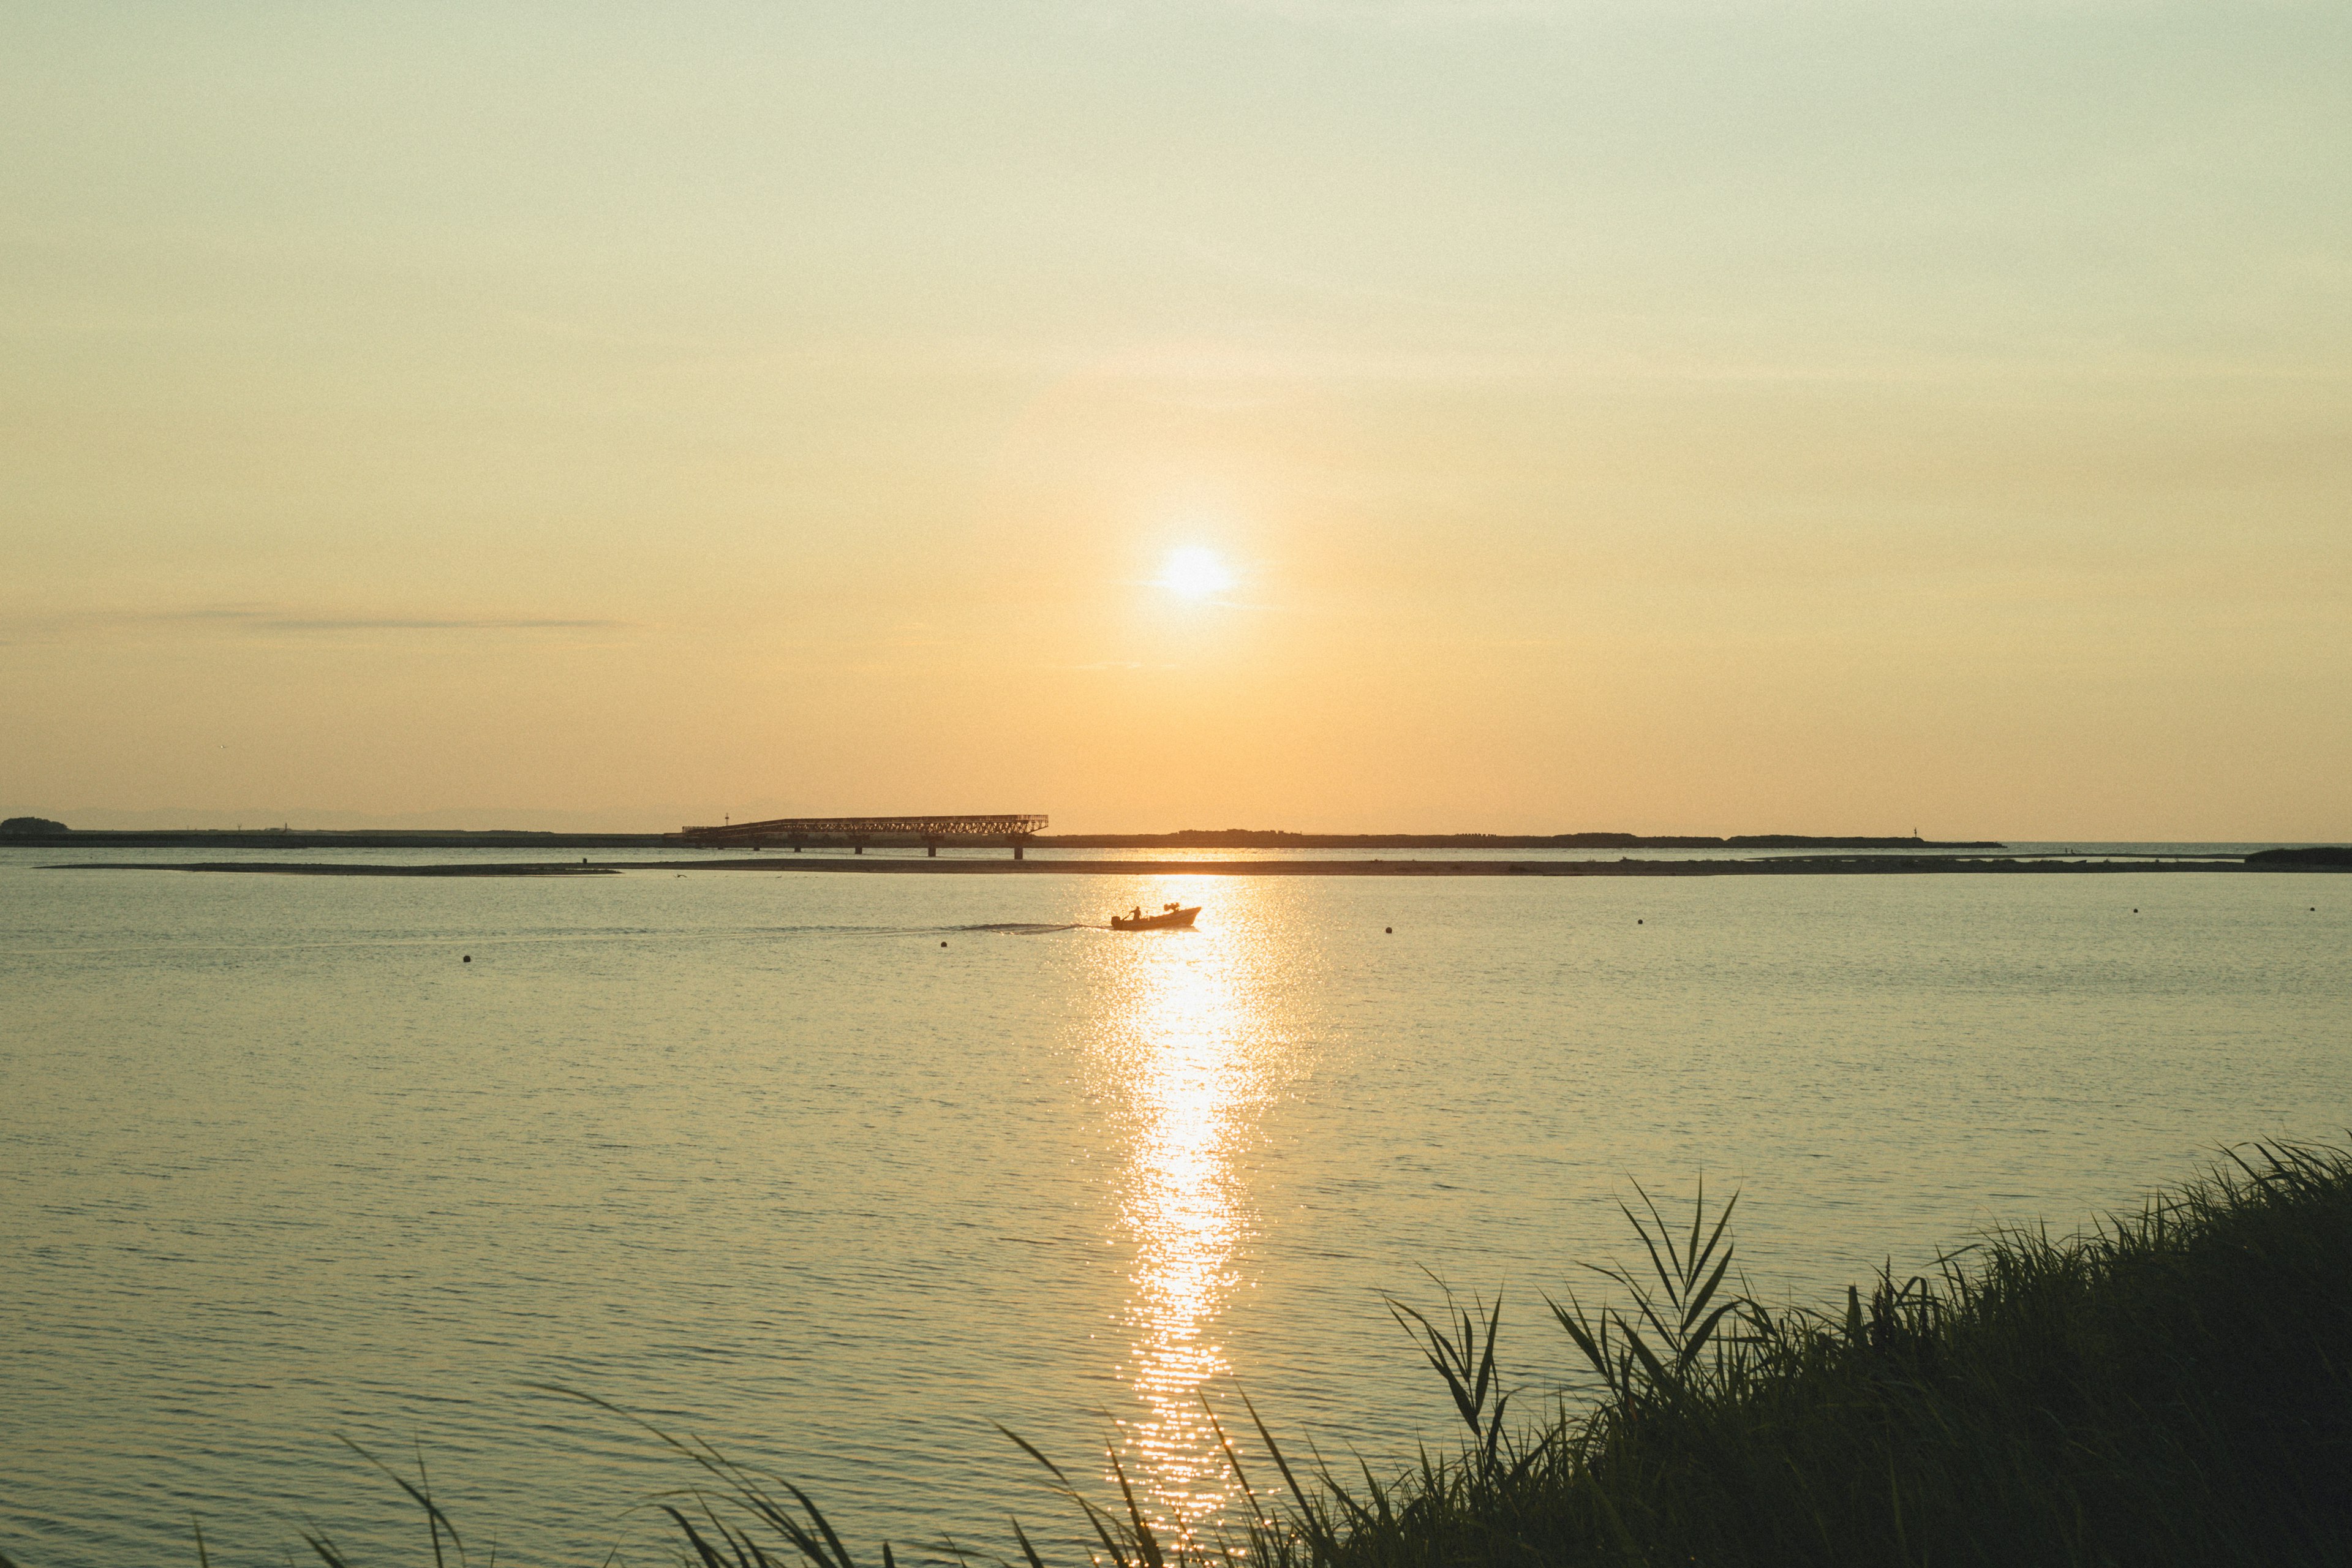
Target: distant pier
797, 833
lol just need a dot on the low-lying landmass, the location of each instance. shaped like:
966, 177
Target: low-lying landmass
2310, 856
60, 837
347, 868
1260, 838
905, 865
49, 833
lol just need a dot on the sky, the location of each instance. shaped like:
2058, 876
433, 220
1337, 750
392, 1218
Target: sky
1674, 416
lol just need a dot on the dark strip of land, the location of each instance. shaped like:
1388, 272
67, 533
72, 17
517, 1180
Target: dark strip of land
1779, 865
330, 838
1258, 838
1787, 865
329, 868
1189, 838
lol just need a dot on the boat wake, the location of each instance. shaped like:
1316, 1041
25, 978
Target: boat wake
993, 928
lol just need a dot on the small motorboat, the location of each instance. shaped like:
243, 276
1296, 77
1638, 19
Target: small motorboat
1172, 918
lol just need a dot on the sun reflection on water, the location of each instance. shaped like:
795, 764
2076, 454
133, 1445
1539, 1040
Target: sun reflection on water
1194, 1048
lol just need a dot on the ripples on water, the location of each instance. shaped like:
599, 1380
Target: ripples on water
756, 1155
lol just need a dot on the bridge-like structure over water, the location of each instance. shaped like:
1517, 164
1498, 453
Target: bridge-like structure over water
858, 832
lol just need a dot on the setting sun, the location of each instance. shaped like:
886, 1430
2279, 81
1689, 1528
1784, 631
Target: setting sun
1195, 573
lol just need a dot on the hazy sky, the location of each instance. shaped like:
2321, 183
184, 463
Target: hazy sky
1671, 417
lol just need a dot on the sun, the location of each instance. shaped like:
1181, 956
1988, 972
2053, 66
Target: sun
1195, 573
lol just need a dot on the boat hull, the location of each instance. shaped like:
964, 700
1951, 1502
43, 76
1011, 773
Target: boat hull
1174, 920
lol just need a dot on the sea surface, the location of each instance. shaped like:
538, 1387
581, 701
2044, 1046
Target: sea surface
839, 1173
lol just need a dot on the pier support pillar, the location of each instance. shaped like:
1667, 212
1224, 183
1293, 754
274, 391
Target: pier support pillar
1016, 851
932, 850
858, 849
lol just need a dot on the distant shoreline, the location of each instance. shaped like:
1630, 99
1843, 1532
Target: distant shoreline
1249, 838
1189, 838
1791, 866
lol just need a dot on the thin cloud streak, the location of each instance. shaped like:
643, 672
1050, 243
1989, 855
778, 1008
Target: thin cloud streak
238, 618
436, 626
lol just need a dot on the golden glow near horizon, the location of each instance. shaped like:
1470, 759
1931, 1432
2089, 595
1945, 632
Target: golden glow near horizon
1712, 418
1185, 1048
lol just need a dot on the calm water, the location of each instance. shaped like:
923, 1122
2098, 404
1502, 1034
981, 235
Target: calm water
756, 1155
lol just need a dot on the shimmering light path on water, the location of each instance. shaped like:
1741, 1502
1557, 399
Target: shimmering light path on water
758, 1157
1189, 1050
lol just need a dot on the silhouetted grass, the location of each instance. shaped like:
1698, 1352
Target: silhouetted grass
2173, 1387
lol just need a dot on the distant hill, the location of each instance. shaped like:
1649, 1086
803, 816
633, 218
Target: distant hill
2314, 855
30, 827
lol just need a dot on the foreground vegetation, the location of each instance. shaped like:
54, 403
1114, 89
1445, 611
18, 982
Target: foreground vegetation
2173, 1387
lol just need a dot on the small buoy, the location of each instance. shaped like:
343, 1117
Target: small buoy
467, 959
1637, 922
943, 944
2134, 910
1390, 930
